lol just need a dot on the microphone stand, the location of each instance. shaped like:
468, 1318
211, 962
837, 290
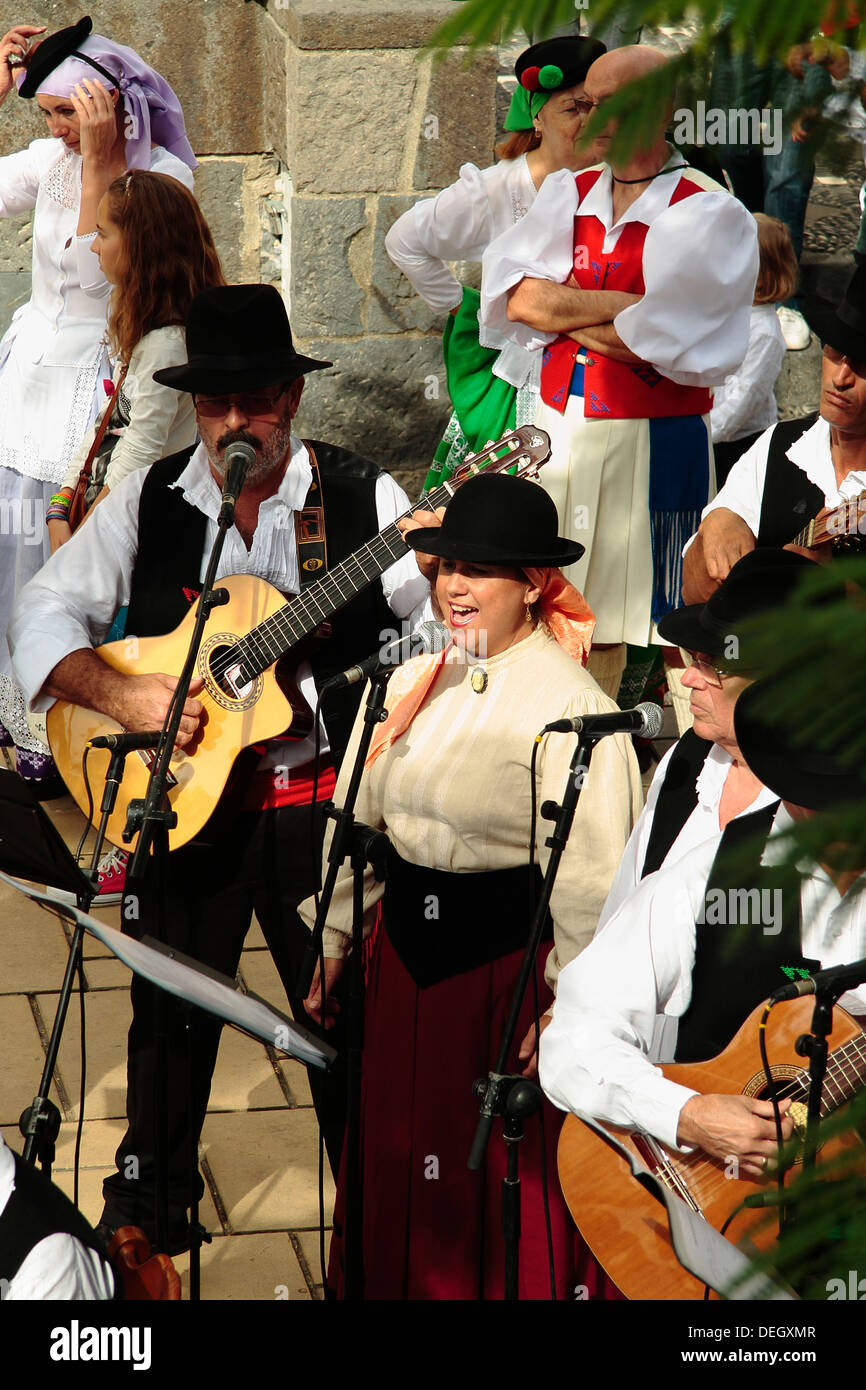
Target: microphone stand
362, 846
513, 1096
152, 818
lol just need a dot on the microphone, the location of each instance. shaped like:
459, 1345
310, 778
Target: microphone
238, 459
428, 637
646, 721
127, 742
835, 978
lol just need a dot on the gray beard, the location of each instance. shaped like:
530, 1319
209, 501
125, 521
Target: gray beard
267, 460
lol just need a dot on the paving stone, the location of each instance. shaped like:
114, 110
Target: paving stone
107, 1018
265, 1165
19, 1077
244, 1078
35, 949
252, 1267
262, 978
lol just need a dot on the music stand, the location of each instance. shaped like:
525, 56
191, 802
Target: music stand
32, 848
197, 984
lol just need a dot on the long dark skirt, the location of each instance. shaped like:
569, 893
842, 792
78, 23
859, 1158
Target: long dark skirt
432, 1228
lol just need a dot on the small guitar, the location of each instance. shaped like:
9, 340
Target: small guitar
626, 1228
244, 702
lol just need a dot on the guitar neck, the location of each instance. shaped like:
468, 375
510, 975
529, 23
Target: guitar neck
832, 522
276, 636
845, 1076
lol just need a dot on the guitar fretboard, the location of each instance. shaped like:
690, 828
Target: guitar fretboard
846, 1075
272, 638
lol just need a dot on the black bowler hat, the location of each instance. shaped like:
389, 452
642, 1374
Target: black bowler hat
237, 338
843, 326
761, 580
44, 57
555, 64
498, 520
784, 753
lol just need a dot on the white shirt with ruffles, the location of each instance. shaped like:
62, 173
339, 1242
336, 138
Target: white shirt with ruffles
458, 225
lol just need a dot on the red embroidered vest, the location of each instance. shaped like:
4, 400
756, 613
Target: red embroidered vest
615, 390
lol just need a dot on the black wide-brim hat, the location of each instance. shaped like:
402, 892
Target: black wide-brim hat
792, 760
51, 52
842, 326
238, 338
572, 54
761, 580
498, 520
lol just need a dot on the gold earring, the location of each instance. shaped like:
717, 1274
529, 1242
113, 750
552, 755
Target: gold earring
528, 612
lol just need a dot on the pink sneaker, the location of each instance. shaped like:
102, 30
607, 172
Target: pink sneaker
112, 876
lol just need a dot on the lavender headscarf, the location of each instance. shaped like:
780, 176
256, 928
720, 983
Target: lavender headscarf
152, 112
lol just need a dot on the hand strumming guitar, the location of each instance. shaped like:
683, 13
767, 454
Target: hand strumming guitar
138, 703
735, 1126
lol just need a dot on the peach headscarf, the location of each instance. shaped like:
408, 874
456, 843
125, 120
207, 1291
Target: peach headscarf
569, 619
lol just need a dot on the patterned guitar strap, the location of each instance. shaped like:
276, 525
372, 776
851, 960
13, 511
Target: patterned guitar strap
310, 528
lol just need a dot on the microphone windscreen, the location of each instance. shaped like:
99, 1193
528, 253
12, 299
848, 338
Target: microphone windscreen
653, 718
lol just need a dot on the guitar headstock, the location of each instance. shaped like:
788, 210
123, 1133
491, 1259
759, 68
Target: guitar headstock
523, 450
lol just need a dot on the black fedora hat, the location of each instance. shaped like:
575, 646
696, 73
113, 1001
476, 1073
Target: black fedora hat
498, 520
842, 326
785, 755
47, 55
761, 580
238, 338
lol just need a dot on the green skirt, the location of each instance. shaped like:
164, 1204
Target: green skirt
484, 406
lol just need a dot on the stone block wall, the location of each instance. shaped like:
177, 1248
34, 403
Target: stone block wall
316, 122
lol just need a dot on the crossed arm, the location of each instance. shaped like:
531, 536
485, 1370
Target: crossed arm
585, 315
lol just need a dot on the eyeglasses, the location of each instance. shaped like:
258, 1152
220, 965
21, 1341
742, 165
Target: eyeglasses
585, 106
253, 407
704, 667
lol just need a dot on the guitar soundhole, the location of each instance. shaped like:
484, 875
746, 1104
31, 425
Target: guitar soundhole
227, 680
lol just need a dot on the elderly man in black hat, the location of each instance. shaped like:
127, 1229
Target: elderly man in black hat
703, 783
147, 546
799, 467
699, 945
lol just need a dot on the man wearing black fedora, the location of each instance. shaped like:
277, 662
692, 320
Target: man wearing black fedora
303, 507
698, 952
703, 783
797, 467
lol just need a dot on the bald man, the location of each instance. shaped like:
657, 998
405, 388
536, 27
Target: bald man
636, 277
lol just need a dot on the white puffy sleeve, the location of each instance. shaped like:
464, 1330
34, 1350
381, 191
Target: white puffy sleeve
744, 392
540, 245
456, 225
700, 265
594, 1055
20, 174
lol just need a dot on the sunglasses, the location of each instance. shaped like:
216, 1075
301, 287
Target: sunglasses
254, 407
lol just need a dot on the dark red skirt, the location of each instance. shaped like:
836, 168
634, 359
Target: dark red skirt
432, 1228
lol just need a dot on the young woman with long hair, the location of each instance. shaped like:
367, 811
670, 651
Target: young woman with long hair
156, 249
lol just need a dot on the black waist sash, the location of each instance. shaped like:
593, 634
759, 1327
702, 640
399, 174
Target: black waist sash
444, 924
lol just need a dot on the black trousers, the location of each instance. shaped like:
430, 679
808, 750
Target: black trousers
248, 862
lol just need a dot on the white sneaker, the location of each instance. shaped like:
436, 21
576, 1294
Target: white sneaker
795, 329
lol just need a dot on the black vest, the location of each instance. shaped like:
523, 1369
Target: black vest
738, 962
171, 535
790, 500
676, 800
37, 1209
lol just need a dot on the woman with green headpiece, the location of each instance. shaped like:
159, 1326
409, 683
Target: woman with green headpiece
493, 384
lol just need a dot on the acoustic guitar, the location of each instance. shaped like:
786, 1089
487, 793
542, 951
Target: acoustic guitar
244, 702
626, 1228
